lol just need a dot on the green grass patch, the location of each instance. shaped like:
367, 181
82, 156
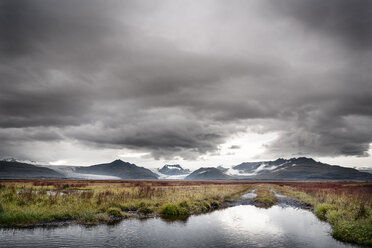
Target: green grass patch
170, 209
114, 212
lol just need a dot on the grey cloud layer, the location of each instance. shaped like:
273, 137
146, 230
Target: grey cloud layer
348, 21
177, 78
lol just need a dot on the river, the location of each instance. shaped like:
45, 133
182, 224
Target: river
238, 226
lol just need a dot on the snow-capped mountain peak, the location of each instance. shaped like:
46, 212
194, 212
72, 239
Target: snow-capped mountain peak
173, 169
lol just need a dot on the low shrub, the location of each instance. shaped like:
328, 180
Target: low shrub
169, 209
145, 210
114, 212
173, 210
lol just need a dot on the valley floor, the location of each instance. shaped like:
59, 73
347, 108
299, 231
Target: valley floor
346, 206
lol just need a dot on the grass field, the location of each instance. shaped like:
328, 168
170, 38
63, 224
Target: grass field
346, 206
24, 202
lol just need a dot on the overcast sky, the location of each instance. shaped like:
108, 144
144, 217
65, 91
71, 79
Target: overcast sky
191, 82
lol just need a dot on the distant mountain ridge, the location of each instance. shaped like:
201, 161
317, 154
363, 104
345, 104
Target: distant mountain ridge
208, 173
173, 169
11, 159
301, 168
294, 169
118, 168
12, 169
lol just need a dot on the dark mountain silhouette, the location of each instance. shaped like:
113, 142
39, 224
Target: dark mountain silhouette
15, 169
209, 173
299, 169
173, 169
118, 168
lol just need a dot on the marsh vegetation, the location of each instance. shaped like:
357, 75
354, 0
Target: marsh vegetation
346, 206
89, 202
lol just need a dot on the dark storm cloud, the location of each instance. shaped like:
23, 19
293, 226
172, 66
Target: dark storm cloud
26, 26
349, 21
163, 132
178, 78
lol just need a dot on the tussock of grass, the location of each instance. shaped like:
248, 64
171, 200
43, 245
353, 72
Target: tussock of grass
28, 202
114, 212
173, 210
348, 208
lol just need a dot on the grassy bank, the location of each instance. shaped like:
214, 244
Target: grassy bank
30, 202
347, 207
265, 196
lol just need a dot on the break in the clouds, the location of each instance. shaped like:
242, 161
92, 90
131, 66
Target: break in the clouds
180, 78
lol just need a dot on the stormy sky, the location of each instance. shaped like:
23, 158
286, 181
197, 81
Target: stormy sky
190, 82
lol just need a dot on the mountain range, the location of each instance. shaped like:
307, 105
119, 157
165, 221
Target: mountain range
294, 169
208, 173
15, 169
173, 170
298, 169
118, 168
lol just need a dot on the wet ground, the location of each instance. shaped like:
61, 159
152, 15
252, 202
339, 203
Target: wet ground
283, 201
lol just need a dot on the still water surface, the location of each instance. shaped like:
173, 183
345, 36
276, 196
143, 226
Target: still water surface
239, 226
